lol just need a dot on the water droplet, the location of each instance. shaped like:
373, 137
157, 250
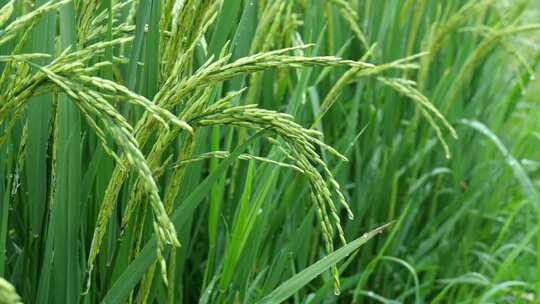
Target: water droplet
337, 292
351, 216
533, 77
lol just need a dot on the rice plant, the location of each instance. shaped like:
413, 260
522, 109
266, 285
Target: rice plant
227, 151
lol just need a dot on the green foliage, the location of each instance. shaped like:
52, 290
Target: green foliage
227, 151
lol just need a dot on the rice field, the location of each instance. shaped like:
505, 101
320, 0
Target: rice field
269, 151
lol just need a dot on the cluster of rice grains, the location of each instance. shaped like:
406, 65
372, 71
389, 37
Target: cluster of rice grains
184, 102
8, 294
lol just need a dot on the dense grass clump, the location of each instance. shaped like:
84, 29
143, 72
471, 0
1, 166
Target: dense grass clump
228, 151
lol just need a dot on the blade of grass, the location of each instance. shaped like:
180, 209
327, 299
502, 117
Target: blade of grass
292, 285
66, 261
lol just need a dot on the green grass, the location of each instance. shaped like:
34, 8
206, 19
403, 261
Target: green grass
236, 151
